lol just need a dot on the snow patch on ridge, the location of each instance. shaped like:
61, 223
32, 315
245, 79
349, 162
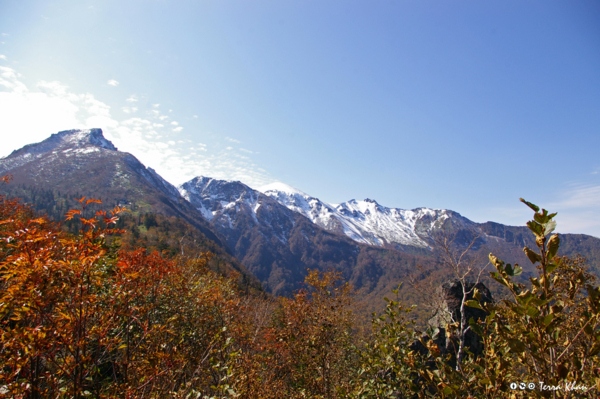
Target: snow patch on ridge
364, 221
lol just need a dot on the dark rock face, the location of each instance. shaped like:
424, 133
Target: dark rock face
453, 296
448, 343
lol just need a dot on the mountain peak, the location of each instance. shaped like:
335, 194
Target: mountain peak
282, 187
75, 139
84, 136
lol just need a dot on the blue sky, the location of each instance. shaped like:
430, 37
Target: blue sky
463, 105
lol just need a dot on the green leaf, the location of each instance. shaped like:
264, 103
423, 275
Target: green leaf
496, 262
552, 246
498, 278
535, 227
533, 256
517, 270
535, 208
551, 267
533, 311
539, 302
595, 349
516, 345
540, 218
525, 297
473, 304
509, 270
475, 327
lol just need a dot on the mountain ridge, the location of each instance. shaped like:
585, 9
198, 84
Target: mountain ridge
277, 233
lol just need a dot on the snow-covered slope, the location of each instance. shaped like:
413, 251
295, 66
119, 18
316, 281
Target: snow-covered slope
367, 221
233, 206
86, 151
214, 197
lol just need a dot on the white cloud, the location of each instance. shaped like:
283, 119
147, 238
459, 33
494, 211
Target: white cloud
582, 196
229, 148
29, 115
245, 150
163, 117
129, 110
156, 105
132, 99
578, 208
174, 123
232, 140
9, 78
113, 82
2, 57
195, 116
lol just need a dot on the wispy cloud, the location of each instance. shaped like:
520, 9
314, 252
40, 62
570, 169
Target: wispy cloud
2, 57
580, 197
113, 82
129, 110
232, 140
578, 208
132, 99
32, 114
577, 205
246, 151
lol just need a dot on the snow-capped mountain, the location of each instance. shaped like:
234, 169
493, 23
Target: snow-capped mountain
367, 221
277, 232
85, 163
230, 204
80, 151
275, 243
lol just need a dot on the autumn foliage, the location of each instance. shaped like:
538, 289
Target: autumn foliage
82, 317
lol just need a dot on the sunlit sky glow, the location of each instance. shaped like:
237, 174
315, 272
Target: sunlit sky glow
463, 105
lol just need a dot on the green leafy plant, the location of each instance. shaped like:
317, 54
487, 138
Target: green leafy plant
548, 332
